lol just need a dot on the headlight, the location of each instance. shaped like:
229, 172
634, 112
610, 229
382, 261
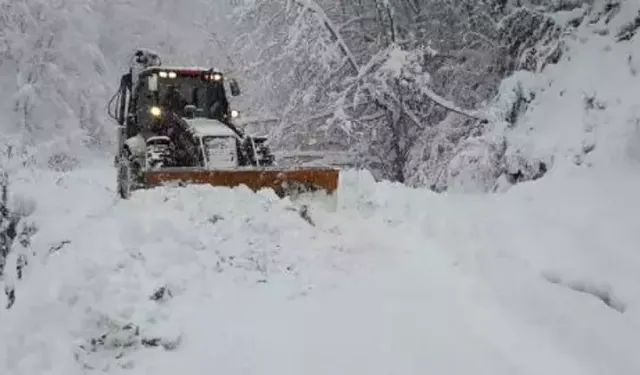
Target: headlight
162, 74
173, 74
217, 77
235, 114
155, 111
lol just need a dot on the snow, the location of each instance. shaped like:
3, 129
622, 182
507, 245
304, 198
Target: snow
584, 112
207, 127
177, 68
221, 152
396, 280
396, 62
564, 17
541, 279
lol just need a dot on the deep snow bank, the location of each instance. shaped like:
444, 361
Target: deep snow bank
396, 280
581, 110
584, 109
98, 261
557, 255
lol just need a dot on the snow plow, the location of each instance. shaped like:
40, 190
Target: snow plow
176, 127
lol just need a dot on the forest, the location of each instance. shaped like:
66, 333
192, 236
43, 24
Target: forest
413, 90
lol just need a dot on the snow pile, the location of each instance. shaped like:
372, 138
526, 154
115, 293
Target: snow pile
106, 271
556, 258
203, 279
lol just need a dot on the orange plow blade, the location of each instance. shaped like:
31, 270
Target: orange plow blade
284, 182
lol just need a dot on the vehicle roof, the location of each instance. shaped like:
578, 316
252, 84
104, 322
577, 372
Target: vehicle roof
210, 127
178, 68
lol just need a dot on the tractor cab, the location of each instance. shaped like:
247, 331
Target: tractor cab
186, 93
181, 112
150, 93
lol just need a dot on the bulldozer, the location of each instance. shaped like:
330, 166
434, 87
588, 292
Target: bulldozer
176, 127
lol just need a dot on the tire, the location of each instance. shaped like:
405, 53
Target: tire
125, 179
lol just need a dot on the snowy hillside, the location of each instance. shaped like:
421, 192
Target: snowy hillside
541, 278
584, 110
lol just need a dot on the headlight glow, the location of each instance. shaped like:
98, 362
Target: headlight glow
172, 75
235, 114
217, 77
155, 111
162, 74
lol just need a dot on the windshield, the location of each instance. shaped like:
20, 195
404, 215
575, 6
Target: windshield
191, 89
207, 96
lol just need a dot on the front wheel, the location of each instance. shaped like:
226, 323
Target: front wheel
125, 179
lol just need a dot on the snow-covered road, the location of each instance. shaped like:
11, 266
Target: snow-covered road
396, 281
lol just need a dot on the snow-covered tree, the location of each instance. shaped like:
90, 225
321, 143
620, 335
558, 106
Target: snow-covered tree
400, 84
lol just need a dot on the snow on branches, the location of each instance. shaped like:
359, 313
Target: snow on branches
401, 85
